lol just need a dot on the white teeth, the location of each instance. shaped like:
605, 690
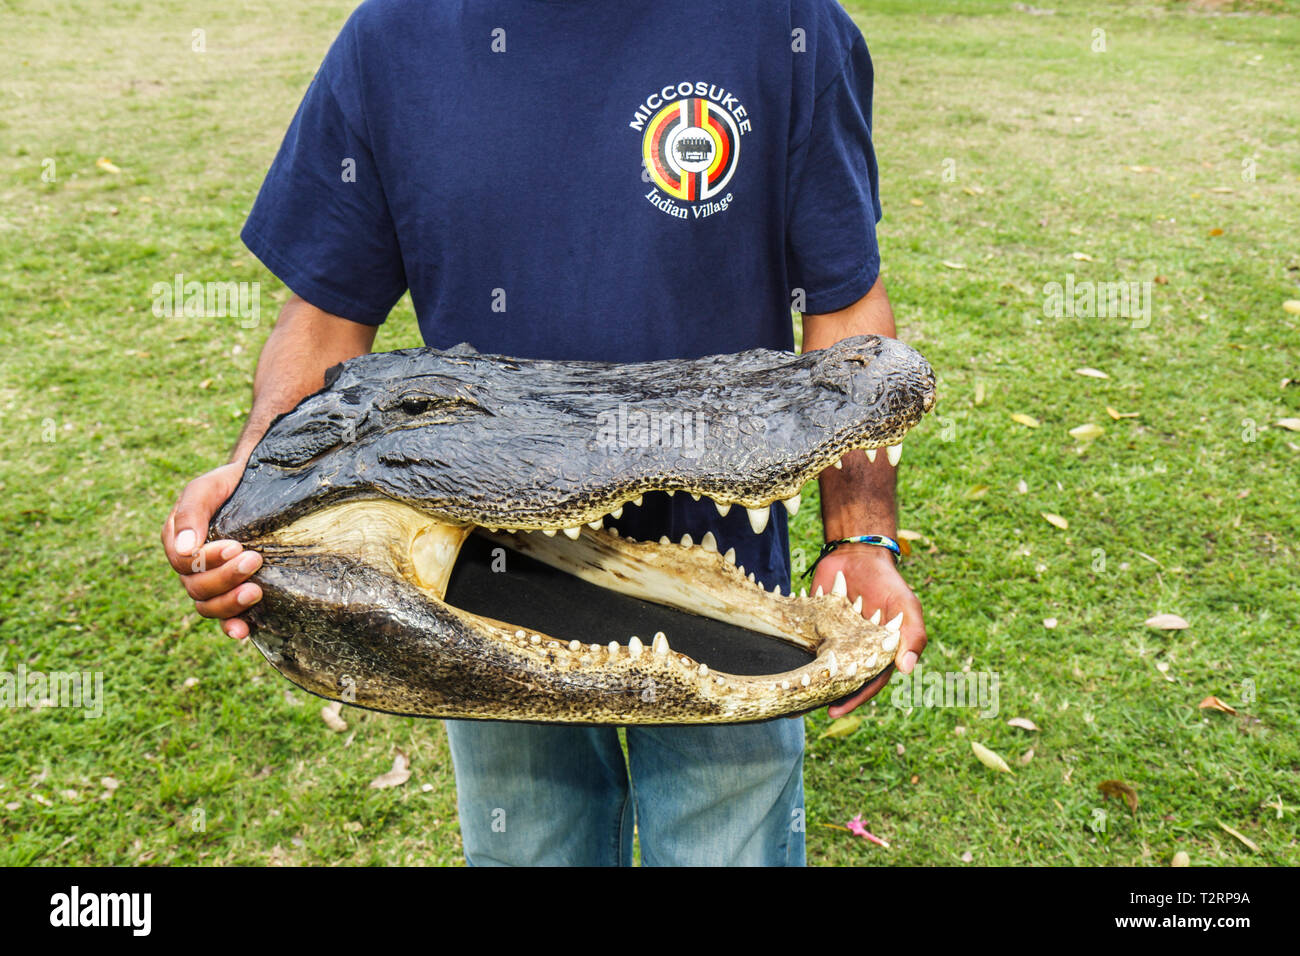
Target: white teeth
807, 679
857, 605
704, 670
840, 587
709, 542
752, 580
637, 500
695, 496
574, 645
686, 541
875, 618
664, 540
851, 669
838, 464
549, 532
617, 512
614, 532
792, 505
785, 685
870, 662
776, 589
722, 509
719, 681
871, 455
597, 524
894, 452
819, 592
634, 647
672, 492
594, 648
494, 530
758, 519
730, 556
520, 635
613, 647
803, 592
832, 665
572, 533
660, 644
889, 643
895, 623
535, 639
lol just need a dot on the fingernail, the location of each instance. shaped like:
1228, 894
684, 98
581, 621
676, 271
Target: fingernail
185, 541
908, 662
230, 550
248, 563
247, 595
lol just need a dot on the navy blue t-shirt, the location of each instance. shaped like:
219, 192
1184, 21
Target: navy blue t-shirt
586, 179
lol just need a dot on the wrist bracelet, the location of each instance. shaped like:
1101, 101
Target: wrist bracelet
880, 540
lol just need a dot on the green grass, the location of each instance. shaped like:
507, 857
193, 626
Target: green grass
108, 410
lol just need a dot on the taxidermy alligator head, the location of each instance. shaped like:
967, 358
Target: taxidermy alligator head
361, 500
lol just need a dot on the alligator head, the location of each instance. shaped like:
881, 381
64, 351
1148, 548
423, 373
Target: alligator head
362, 498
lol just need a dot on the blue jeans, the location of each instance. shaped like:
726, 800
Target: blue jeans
551, 795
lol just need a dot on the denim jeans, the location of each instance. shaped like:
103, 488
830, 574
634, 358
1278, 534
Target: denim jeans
550, 795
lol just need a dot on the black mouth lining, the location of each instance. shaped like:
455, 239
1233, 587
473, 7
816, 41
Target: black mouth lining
541, 599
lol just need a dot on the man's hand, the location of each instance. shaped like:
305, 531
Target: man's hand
869, 571
214, 574
304, 343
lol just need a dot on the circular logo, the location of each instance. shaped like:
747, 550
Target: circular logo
690, 148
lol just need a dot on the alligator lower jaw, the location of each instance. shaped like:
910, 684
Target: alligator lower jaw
525, 673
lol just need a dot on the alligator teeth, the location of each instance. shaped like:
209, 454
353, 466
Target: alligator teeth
535, 639
832, 665
730, 556
549, 532
857, 605
894, 452
722, 508
695, 496
819, 591
660, 644
840, 587
520, 635
617, 513
709, 542
671, 492
574, 645
613, 647
664, 539
792, 505
785, 685
758, 518
704, 670
614, 532
838, 464
807, 679
637, 500
776, 589
752, 579
875, 618
871, 455
597, 524
889, 643
686, 541
634, 647
895, 623
803, 592
870, 662
572, 533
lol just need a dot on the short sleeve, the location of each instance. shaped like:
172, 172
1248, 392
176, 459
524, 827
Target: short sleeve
833, 209
321, 222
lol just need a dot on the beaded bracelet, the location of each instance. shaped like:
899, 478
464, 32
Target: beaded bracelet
880, 540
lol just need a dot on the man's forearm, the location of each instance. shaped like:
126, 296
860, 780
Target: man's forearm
859, 497
304, 343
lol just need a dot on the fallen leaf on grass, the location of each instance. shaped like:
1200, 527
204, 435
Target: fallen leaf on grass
330, 714
107, 165
1216, 231
1087, 432
1116, 414
1050, 622
954, 265
1119, 790
400, 773
989, 759
1055, 520
1181, 859
1213, 703
1024, 723
1251, 844
978, 491
1025, 757
1293, 424
842, 727
1166, 622
979, 393
1082, 257
1091, 373
1029, 421
1292, 306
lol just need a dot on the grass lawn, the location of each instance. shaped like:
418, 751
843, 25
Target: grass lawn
1015, 153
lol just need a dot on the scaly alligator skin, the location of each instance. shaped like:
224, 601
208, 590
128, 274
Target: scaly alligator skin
361, 498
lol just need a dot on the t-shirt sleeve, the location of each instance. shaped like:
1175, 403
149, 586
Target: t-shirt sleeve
831, 249
321, 222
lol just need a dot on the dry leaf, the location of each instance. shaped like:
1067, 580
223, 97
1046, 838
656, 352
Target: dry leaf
979, 393
1293, 424
1082, 257
1220, 189
1054, 519
989, 759
1049, 622
1240, 836
842, 727
1213, 703
1025, 757
1024, 723
916, 202
1216, 231
1091, 373
1166, 622
107, 166
400, 773
1087, 432
1181, 859
954, 265
330, 714
1116, 414
1119, 790
1292, 306
1027, 420
979, 491
1022, 487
